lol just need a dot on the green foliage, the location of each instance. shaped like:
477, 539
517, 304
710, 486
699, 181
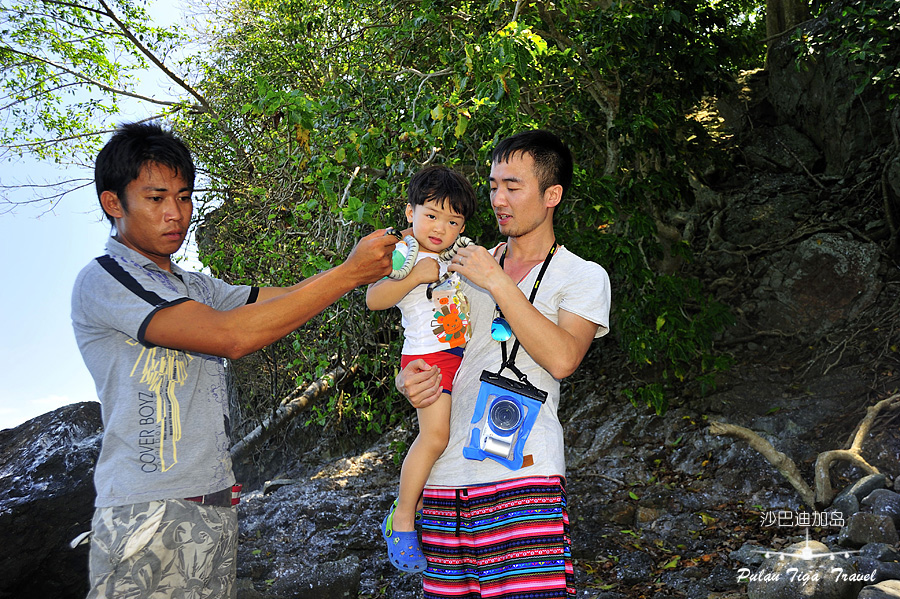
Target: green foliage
679, 340
309, 116
866, 34
335, 103
64, 67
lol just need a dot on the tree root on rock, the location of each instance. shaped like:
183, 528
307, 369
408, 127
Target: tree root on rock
784, 464
823, 494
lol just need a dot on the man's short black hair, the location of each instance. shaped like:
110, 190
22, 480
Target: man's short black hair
131, 147
552, 158
439, 184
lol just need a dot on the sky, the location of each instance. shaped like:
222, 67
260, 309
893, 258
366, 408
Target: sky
40, 366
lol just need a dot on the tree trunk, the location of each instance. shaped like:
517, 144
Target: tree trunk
782, 16
290, 406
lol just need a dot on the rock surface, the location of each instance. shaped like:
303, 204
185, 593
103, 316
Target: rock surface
46, 500
890, 589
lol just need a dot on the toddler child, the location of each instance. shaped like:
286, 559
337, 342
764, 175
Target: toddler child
436, 328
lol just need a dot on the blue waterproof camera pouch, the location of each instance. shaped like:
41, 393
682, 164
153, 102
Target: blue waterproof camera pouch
506, 409
504, 414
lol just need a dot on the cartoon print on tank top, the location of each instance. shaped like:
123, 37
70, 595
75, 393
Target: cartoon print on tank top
451, 313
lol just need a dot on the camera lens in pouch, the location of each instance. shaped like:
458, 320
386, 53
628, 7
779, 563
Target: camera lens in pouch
505, 415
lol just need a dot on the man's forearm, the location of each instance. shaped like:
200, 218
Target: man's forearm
195, 327
266, 293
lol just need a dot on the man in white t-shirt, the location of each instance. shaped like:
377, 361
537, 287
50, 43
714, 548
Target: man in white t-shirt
498, 526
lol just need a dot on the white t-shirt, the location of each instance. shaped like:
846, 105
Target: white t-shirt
571, 284
436, 324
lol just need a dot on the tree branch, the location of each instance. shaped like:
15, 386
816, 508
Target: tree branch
606, 96
293, 404
784, 464
76, 6
515, 16
424, 77
824, 492
862, 431
45, 142
153, 58
51, 199
89, 81
37, 95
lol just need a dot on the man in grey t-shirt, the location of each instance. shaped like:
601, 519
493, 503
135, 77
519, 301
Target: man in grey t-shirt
491, 526
154, 337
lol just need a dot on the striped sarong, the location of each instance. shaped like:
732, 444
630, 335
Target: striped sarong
508, 540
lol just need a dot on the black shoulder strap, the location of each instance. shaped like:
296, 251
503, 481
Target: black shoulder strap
129, 282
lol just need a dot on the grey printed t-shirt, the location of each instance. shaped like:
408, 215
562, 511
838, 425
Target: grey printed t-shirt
571, 284
165, 411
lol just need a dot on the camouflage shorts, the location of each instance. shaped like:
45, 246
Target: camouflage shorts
173, 549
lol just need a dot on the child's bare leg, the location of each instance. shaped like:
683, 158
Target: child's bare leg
434, 432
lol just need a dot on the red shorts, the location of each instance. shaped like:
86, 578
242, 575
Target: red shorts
447, 361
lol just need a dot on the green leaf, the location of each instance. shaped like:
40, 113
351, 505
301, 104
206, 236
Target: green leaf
461, 126
672, 563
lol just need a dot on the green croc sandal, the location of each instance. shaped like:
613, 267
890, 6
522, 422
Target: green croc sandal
403, 546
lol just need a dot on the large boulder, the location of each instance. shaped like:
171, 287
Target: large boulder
46, 500
825, 280
781, 149
863, 528
889, 589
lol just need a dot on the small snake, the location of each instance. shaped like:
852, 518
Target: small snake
413, 252
460, 242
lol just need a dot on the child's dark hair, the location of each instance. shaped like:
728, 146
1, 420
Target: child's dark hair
439, 184
552, 158
131, 147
